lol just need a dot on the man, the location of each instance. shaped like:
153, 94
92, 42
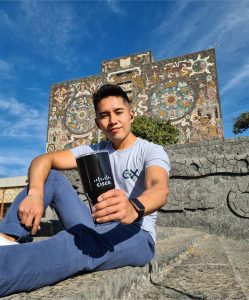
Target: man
126, 215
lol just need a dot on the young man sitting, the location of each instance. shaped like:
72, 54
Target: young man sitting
126, 216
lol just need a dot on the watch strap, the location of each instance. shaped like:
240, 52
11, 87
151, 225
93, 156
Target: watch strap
139, 207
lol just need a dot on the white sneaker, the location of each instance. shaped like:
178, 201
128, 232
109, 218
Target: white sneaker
6, 242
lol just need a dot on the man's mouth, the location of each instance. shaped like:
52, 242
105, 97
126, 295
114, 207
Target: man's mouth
114, 130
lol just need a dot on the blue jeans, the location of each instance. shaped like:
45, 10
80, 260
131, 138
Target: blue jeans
82, 246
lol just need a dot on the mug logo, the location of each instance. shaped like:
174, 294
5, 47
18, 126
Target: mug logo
102, 181
130, 174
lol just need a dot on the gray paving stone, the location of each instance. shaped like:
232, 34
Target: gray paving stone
189, 264
210, 269
116, 284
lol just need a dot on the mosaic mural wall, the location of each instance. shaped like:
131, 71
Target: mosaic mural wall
126, 62
183, 90
71, 113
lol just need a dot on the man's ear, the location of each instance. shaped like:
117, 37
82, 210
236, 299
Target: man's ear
132, 115
97, 123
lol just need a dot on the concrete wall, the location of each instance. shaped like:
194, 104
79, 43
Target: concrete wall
209, 187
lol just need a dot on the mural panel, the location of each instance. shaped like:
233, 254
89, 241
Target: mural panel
126, 62
71, 113
183, 90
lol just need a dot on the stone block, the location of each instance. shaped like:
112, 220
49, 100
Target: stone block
177, 165
221, 170
179, 191
216, 179
172, 192
225, 163
201, 172
202, 160
206, 164
244, 170
214, 188
229, 168
219, 162
173, 172
213, 169
236, 169
243, 185
200, 191
210, 158
183, 173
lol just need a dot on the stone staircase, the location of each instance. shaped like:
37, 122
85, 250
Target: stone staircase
212, 268
189, 264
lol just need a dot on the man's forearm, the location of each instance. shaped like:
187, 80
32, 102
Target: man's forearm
157, 189
32, 207
154, 198
38, 173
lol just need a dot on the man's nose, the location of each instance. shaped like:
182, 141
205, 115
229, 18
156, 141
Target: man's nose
113, 119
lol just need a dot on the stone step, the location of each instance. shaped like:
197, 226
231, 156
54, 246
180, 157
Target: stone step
188, 265
213, 268
118, 284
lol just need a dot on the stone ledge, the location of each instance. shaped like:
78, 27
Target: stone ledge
116, 284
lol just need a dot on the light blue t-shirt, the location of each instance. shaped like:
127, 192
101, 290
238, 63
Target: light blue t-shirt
128, 167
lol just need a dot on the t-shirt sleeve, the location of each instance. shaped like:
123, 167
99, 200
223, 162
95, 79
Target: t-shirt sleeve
157, 156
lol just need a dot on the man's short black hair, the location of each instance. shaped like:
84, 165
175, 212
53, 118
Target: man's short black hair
107, 90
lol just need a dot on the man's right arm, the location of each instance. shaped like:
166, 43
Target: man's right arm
32, 207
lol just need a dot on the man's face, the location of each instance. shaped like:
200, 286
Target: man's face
114, 118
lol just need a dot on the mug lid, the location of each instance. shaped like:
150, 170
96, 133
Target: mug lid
93, 153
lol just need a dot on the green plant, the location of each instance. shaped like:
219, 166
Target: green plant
155, 130
241, 123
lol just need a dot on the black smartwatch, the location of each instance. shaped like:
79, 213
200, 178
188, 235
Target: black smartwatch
138, 207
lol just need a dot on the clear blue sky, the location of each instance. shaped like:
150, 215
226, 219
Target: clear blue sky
44, 42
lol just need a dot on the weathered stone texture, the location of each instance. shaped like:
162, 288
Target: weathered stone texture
189, 264
209, 187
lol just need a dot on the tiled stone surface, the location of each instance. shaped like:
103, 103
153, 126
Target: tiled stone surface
189, 264
208, 270
209, 187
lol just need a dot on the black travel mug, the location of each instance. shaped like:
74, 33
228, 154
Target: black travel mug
95, 174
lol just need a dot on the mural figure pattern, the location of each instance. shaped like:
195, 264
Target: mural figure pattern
183, 90
79, 115
172, 100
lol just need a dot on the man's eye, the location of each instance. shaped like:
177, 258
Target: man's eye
119, 112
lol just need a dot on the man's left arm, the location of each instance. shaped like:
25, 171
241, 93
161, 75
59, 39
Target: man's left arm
157, 189
114, 205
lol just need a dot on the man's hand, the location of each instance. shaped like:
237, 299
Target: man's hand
114, 205
30, 212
